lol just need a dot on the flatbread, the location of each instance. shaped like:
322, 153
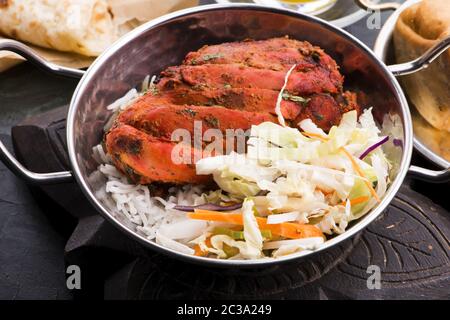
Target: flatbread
127, 14
419, 28
82, 26
121, 16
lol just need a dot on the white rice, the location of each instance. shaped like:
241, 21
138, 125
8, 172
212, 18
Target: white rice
123, 102
134, 204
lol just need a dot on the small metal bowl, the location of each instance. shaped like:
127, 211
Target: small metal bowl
384, 49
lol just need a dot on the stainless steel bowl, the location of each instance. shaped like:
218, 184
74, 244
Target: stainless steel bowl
384, 49
164, 42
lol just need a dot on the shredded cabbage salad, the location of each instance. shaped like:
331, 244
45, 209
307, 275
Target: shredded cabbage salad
297, 187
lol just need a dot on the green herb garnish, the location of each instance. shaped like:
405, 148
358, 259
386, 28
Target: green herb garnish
153, 90
316, 56
211, 121
318, 116
236, 235
293, 98
212, 56
188, 112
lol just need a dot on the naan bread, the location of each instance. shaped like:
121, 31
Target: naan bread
81, 26
419, 28
129, 14
84, 27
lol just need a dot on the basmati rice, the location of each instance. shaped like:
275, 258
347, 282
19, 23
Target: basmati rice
134, 204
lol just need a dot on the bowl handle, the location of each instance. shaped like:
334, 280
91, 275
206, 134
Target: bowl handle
368, 5
429, 175
5, 156
32, 177
27, 53
422, 62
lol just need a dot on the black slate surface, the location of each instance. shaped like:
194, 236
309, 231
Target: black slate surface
31, 259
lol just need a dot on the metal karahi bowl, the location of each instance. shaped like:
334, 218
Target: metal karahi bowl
384, 49
164, 42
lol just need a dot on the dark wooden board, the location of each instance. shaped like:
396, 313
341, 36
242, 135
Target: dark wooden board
409, 242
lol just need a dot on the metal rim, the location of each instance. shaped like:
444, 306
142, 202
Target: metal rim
341, 22
380, 48
360, 225
351, 18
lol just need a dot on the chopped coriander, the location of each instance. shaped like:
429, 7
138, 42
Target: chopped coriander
188, 111
153, 90
212, 122
288, 96
316, 56
318, 116
208, 57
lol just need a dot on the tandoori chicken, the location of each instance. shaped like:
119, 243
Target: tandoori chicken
226, 86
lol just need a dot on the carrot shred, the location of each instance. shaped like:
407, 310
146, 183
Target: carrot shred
357, 200
325, 193
288, 229
361, 174
315, 135
199, 252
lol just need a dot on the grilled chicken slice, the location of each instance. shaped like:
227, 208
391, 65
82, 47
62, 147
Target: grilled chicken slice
247, 99
277, 54
146, 159
277, 60
214, 76
161, 121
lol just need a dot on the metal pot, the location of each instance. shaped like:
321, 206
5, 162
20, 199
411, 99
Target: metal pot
165, 41
384, 49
